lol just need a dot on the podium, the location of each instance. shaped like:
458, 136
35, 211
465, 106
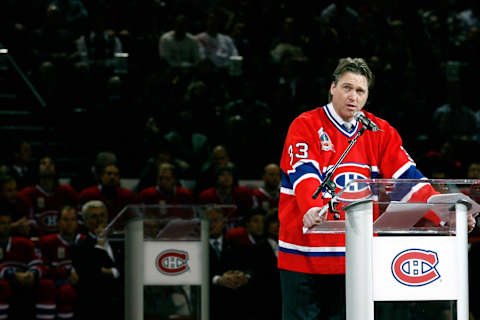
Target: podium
395, 252
166, 260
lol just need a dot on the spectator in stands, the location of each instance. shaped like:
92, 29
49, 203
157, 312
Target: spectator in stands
109, 191
97, 265
178, 47
166, 191
55, 249
473, 170
229, 290
15, 205
247, 117
47, 196
343, 17
215, 45
289, 43
453, 111
470, 16
75, 14
267, 196
21, 167
227, 192
92, 175
159, 151
23, 290
252, 232
97, 49
54, 55
207, 174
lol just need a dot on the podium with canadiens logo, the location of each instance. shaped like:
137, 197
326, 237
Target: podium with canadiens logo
404, 254
166, 260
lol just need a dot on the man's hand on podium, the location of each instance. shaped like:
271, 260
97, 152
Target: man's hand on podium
315, 216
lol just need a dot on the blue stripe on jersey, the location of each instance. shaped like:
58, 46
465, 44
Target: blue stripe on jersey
286, 181
304, 168
401, 189
411, 173
312, 254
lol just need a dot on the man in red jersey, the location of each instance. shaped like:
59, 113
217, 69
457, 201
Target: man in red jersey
48, 196
109, 191
23, 288
312, 266
268, 194
225, 192
166, 192
55, 249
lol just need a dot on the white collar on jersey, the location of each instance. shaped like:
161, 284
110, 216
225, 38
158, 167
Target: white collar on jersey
338, 122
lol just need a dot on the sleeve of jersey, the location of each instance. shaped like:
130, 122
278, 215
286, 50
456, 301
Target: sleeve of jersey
301, 173
36, 264
396, 163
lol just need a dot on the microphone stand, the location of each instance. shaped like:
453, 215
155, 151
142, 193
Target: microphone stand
328, 183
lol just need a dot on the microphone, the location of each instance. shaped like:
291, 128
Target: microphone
369, 124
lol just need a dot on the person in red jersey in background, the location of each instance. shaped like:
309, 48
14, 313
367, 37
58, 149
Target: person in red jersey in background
167, 192
47, 196
109, 191
267, 196
226, 192
24, 292
55, 249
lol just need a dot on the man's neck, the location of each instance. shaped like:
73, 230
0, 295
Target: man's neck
47, 183
271, 190
68, 237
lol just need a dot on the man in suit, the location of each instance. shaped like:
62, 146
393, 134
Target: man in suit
97, 264
229, 286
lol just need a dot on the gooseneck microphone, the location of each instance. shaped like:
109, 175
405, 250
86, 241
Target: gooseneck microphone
369, 124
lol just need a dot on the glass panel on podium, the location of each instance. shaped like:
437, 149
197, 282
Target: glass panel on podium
166, 259
412, 212
396, 212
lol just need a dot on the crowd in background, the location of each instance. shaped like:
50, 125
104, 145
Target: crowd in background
203, 91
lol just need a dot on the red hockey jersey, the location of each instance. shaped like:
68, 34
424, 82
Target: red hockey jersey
56, 255
44, 205
265, 200
314, 143
18, 255
123, 198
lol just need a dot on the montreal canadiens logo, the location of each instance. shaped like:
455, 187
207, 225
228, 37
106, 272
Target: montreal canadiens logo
172, 262
415, 267
354, 191
48, 220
